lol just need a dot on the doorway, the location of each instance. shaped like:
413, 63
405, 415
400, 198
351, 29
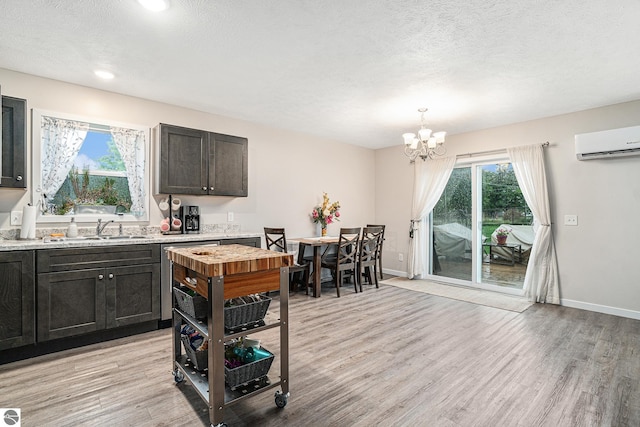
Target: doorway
480, 199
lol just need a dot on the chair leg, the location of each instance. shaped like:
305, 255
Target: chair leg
338, 279
357, 280
379, 268
305, 279
366, 275
375, 275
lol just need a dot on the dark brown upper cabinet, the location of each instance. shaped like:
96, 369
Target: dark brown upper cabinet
197, 162
14, 143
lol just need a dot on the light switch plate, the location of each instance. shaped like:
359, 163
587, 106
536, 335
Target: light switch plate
571, 220
16, 218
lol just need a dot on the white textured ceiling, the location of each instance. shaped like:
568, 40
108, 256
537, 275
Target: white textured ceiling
353, 71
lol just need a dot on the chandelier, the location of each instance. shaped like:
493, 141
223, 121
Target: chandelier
426, 145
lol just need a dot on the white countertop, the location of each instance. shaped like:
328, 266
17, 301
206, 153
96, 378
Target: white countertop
14, 245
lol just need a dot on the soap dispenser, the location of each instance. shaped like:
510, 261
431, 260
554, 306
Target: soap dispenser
72, 231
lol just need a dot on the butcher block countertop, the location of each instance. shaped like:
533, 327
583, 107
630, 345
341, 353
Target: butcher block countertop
229, 259
245, 269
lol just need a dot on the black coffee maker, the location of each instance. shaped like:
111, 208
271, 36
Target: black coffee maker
190, 216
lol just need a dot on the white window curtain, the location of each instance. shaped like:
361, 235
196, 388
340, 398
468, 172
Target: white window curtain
541, 279
429, 180
61, 141
130, 144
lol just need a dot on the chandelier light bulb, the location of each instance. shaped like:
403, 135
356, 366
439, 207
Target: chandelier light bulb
424, 134
408, 138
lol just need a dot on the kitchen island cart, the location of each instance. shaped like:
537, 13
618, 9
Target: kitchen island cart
219, 273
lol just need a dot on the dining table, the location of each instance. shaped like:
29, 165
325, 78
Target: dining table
316, 243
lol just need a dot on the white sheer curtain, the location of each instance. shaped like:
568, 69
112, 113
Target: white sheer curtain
541, 279
130, 144
429, 180
61, 141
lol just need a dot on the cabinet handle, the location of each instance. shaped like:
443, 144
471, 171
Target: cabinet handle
211, 188
19, 178
110, 275
100, 276
204, 188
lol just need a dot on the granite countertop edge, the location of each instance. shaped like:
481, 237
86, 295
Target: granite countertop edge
14, 245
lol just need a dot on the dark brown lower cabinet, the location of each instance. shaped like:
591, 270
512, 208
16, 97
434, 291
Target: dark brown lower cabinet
17, 299
74, 302
246, 241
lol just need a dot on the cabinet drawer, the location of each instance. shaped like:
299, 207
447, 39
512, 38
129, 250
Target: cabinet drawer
56, 260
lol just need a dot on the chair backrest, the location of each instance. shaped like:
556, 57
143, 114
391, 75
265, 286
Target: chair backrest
347, 252
381, 235
378, 225
275, 239
369, 245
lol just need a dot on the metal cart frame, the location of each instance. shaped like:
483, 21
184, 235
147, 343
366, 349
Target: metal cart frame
212, 388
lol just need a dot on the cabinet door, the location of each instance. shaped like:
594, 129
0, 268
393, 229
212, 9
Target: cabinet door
70, 303
183, 160
133, 294
17, 303
228, 165
14, 146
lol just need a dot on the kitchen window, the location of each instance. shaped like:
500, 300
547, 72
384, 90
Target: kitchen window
89, 169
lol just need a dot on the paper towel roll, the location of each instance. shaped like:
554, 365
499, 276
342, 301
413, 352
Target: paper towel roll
28, 230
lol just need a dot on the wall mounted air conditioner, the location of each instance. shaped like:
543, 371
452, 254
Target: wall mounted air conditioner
608, 143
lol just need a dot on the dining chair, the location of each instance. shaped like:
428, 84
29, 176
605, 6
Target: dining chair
276, 240
379, 255
368, 255
344, 262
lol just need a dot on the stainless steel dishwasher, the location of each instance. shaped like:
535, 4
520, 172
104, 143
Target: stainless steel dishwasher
166, 273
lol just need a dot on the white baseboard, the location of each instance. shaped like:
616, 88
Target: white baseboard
598, 308
394, 272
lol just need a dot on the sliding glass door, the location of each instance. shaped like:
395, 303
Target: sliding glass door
481, 198
452, 225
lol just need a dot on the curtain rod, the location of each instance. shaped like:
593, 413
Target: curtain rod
497, 151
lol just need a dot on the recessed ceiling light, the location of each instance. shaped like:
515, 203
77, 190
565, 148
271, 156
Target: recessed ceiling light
103, 74
154, 5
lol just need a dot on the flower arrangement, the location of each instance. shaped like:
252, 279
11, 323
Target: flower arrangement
326, 213
502, 232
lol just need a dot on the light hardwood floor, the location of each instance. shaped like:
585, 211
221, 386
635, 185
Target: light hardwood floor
388, 356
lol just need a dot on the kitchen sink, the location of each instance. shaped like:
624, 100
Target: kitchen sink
123, 237
85, 238
80, 238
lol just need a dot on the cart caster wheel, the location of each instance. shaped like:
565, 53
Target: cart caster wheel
281, 399
219, 425
178, 376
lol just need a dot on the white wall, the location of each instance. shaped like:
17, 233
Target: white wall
287, 171
599, 259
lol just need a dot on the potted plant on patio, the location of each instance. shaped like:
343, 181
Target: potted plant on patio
501, 235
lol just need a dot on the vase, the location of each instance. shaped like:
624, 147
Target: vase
501, 239
324, 231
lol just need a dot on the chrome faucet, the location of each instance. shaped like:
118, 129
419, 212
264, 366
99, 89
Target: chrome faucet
100, 227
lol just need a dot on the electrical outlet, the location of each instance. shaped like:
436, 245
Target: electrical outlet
16, 218
571, 220
400, 256
230, 216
